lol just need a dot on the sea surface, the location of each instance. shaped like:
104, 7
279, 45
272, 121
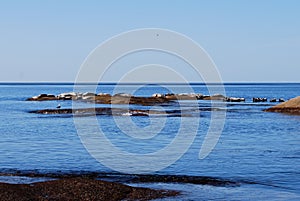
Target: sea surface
259, 150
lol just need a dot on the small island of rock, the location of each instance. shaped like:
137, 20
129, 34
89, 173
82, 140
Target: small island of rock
291, 107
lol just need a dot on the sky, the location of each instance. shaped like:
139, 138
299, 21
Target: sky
249, 41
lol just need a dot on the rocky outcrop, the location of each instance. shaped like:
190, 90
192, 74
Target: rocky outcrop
183, 96
291, 107
79, 188
122, 98
102, 98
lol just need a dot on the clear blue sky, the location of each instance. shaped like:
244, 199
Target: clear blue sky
248, 40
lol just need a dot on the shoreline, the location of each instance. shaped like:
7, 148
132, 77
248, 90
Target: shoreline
95, 186
79, 188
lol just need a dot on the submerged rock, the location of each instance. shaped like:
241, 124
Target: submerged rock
184, 179
107, 111
292, 107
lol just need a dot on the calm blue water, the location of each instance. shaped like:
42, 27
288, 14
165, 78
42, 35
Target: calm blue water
255, 146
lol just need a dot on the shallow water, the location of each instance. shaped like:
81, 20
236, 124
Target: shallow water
255, 146
23, 179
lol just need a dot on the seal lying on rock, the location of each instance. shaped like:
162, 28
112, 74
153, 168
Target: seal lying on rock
234, 99
255, 100
42, 97
215, 97
158, 95
67, 96
123, 98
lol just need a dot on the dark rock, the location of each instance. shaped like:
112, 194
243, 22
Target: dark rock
105, 111
185, 179
255, 100
79, 189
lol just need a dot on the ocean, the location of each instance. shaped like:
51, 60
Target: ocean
257, 149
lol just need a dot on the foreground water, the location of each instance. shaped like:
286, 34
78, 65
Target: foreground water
259, 148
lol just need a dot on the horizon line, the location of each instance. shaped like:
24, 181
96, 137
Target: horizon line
144, 83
